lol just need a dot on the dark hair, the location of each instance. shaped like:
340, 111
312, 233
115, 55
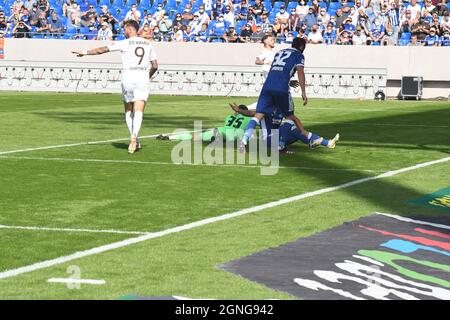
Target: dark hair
242, 107
265, 37
132, 24
299, 44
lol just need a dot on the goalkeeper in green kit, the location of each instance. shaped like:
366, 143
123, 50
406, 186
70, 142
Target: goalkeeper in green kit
232, 130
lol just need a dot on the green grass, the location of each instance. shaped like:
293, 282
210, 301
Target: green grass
147, 196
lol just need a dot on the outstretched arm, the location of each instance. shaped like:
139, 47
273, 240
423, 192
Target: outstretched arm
153, 68
91, 52
247, 113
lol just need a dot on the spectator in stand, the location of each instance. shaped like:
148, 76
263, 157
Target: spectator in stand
104, 10
146, 32
196, 23
325, 16
44, 5
293, 21
358, 6
445, 24
277, 27
165, 25
219, 28
359, 38
187, 16
231, 35
428, 6
344, 39
4, 25
393, 23
160, 13
377, 32
229, 16
43, 27
258, 34
86, 16
202, 35
202, 15
113, 23
345, 8
21, 30
56, 27
445, 39
257, 10
340, 18
432, 39
329, 36
218, 8
133, 14
34, 15
421, 29
415, 9
302, 9
241, 10
178, 21
283, 18
310, 19
17, 5
441, 8
436, 25
354, 16
157, 34
246, 34
407, 22
188, 36
348, 26
177, 34
315, 37
104, 33
265, 23
28, 4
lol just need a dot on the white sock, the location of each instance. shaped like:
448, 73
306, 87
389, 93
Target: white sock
129, 120
137, 122
309, 135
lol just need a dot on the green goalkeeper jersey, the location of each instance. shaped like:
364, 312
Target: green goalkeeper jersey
234, 126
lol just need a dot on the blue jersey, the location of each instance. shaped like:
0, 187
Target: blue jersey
283, 67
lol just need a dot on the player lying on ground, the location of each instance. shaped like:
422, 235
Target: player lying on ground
275, 95
232, 129
288, 131
137, 55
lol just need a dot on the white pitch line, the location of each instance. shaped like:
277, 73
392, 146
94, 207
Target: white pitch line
182, 164
81, 144
196, 224
70, 230
405, 219
77, 281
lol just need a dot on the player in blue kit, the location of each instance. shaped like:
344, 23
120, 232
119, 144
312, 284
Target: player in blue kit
275, 95
288, 132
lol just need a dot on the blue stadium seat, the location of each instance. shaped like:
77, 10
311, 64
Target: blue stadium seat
104, 3
292, 5
448, 5
351, 4
118, 4
331, 12
276, 6
334, 5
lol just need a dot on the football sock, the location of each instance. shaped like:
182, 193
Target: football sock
129, 120
137, 122
249, 130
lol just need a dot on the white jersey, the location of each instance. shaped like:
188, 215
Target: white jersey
266, 55
136, 56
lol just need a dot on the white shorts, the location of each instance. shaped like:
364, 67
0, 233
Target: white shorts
134, 92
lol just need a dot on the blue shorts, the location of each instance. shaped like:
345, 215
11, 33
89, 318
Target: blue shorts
271, 101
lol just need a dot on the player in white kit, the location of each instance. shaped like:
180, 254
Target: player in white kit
265, 58
139, 65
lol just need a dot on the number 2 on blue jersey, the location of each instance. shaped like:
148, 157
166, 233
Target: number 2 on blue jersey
279, 59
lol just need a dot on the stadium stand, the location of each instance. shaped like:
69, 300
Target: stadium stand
363, 22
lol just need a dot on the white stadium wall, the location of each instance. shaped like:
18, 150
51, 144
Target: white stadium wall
224, 69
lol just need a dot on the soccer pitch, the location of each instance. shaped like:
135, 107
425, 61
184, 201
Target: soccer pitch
60, 195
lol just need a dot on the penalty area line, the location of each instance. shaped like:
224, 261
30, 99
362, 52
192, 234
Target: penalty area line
127, 242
